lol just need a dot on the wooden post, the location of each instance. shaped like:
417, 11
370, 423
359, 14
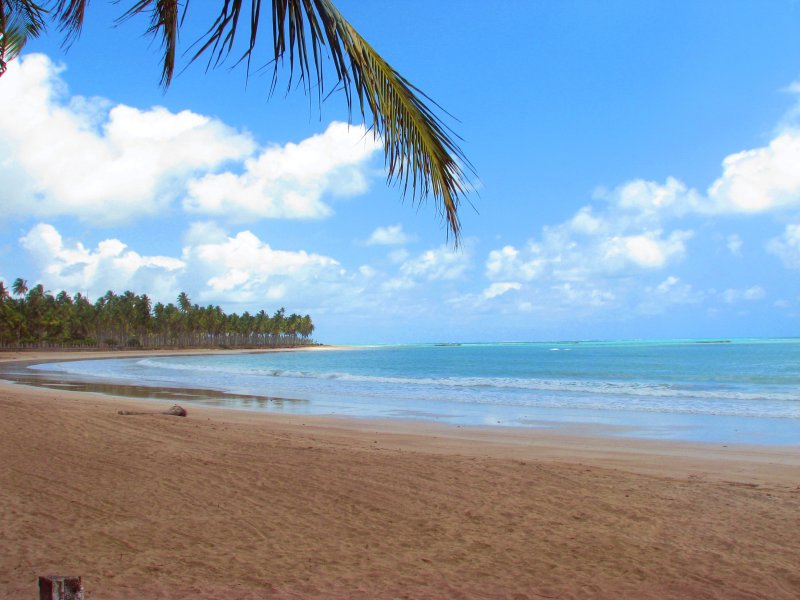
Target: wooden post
60, 587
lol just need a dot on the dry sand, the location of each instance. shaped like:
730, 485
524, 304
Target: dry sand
225, 504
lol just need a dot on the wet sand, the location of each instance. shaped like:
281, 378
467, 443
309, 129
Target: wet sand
231, 504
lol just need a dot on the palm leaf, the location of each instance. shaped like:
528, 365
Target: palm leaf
164, 23
421, 152
419, 149
69, 14
19, 20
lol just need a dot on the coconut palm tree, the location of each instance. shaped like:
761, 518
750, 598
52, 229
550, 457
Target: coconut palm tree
143, 316
421, 152
306, 326
19, 287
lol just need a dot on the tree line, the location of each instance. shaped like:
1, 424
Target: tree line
35, 317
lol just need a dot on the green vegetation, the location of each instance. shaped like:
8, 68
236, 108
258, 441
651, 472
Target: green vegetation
39, 318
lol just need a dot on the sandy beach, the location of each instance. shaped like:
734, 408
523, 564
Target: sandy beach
235, 505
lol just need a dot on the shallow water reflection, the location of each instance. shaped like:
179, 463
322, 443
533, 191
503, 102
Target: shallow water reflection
18, 373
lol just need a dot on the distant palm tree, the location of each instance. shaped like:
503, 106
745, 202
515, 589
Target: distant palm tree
184, 303
129, 320
19, 287
421, 152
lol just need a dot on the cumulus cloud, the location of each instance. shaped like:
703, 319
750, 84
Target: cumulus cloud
242, 271
289, 181
597, 252
787, 246
507, 263
399, 256
752, 181
499, 288
649, 201
440, 263
220, 267
244, 267
109, 164
105, 165
669, 292
111, 265
204, 232
367, 271
578, 294
648, 250
559, 255
392, 235
731, 295
761, 179
734, 244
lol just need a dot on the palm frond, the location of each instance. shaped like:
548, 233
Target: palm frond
19, 20
164, 23
70, 14
422, 154
419, 148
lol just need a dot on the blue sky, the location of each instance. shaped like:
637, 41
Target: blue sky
639, 175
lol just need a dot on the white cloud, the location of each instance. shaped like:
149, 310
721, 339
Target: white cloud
246, 268
561, 256
648, 250
289, 181
398, 256
761, 179
754, 293
597, 259
649, 200
397, 284
734, 244
506, 263
204, 232
109, 164
392, 235
436, 264
243, 272
585, 222
731, 295
599, 251
367, 271
499, 288
787, 246
78, 157
232, 269
671, 291
570, 294
111, 265
752, 181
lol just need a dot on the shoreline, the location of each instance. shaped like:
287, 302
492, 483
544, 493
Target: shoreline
11, 356
245, 505
710, 431
579, 443
600, 435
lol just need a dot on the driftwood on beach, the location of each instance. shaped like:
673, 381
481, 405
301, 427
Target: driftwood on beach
174, 410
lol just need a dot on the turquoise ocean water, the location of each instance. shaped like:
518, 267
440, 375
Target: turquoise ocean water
733, 391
